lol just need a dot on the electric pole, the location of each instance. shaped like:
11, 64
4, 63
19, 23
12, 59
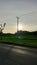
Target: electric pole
17, 22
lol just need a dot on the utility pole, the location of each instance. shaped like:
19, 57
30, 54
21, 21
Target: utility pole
17, 26
17, 22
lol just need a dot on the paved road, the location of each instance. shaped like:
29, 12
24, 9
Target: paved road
17, 55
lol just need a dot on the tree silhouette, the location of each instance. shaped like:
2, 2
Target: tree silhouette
2, 27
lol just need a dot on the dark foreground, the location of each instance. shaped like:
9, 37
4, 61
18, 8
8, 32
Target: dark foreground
17, 55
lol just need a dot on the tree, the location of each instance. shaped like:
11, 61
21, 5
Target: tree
1, 29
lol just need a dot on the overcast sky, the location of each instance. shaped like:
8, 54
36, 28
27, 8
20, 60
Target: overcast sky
10, 9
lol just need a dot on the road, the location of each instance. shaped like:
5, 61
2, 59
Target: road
17, 55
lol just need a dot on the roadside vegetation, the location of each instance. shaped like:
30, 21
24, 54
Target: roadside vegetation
24, 39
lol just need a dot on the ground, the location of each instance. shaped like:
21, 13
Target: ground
17, 55
26, 40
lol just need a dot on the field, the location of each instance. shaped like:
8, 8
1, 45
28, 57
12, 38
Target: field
27, 40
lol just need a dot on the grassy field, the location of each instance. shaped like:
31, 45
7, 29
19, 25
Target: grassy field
28, 40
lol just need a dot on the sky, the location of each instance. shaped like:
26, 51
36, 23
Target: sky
26, 10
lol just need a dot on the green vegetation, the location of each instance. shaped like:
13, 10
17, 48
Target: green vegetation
29, 40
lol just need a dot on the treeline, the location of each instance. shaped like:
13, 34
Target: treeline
26, 33
20, 33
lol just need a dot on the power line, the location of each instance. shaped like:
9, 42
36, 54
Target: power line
27, 14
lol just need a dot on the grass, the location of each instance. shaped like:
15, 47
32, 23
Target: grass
28, 40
